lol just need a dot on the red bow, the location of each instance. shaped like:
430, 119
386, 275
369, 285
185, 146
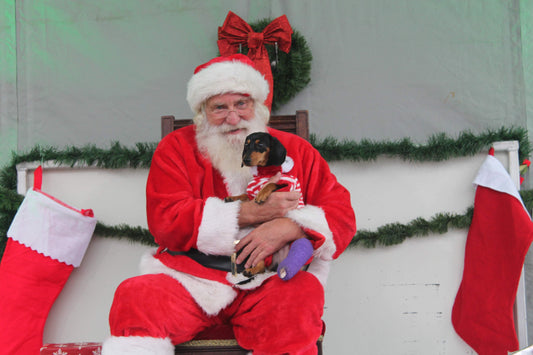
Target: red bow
235, 32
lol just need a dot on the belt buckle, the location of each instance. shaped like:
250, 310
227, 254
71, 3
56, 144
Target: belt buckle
234, 264
233, 260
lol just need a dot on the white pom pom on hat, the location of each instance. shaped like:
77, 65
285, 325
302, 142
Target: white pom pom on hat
223, 75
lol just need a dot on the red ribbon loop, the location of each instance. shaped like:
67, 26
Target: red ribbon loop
235, 32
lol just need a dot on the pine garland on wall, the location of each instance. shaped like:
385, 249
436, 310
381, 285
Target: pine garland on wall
439, 147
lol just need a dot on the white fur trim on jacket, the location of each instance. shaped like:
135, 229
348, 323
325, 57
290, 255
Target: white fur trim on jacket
250, 285
320, 268
137, 346
226, 77
219, 227
211, 296
314, 218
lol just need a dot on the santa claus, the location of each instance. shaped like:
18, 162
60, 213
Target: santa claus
186, 286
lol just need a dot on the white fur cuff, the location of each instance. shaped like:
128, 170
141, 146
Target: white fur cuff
219, 227
137, 346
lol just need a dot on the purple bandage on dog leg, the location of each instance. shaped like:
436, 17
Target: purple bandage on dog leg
301, 250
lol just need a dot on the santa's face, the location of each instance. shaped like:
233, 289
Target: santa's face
229, 118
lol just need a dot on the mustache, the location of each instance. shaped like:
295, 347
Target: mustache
225, 128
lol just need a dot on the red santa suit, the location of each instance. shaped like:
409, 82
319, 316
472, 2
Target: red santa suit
186, 210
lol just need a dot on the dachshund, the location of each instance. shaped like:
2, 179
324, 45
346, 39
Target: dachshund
262, 150
266, 152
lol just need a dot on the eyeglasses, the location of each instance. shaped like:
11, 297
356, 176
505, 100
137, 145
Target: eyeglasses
221, 110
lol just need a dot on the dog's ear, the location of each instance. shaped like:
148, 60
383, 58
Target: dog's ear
277, 152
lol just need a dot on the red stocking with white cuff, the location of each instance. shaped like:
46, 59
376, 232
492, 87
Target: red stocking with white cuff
498, 240
46, 240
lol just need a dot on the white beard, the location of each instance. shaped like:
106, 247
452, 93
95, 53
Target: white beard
225, 150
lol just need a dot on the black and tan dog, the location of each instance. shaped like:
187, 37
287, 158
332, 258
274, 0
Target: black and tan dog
266, 152
261, 149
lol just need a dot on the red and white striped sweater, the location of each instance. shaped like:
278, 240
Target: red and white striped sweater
264, 174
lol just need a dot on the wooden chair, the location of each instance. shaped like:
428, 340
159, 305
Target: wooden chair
297, 124
220, 339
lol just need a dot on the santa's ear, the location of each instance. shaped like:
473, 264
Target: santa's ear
277, 152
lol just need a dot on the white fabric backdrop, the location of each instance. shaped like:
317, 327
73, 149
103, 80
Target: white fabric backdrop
96, 71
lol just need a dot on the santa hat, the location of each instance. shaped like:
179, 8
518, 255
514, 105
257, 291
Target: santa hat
222, 75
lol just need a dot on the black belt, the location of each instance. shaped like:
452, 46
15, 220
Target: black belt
218, 262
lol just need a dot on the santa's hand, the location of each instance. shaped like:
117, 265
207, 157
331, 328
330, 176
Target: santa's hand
277, 205
267, 239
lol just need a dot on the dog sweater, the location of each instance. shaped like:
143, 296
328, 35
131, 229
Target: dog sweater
264, 173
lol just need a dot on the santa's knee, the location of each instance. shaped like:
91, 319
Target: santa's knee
303, 290
130, 291
133, 312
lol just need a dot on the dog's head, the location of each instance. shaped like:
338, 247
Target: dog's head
261, 149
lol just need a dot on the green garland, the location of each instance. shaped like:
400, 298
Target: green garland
136, 234
292, 71
396, 233
437, 148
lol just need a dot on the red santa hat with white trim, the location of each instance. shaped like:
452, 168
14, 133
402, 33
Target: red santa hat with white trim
222, 75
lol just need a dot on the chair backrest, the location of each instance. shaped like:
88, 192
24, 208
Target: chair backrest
297, 124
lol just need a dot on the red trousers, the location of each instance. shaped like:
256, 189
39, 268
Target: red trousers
279, 317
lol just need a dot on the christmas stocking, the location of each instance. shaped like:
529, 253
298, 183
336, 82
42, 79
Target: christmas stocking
46, 240
498, 240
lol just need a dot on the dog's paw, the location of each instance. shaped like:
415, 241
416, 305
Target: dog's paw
258, 269
260, 198
243, 198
